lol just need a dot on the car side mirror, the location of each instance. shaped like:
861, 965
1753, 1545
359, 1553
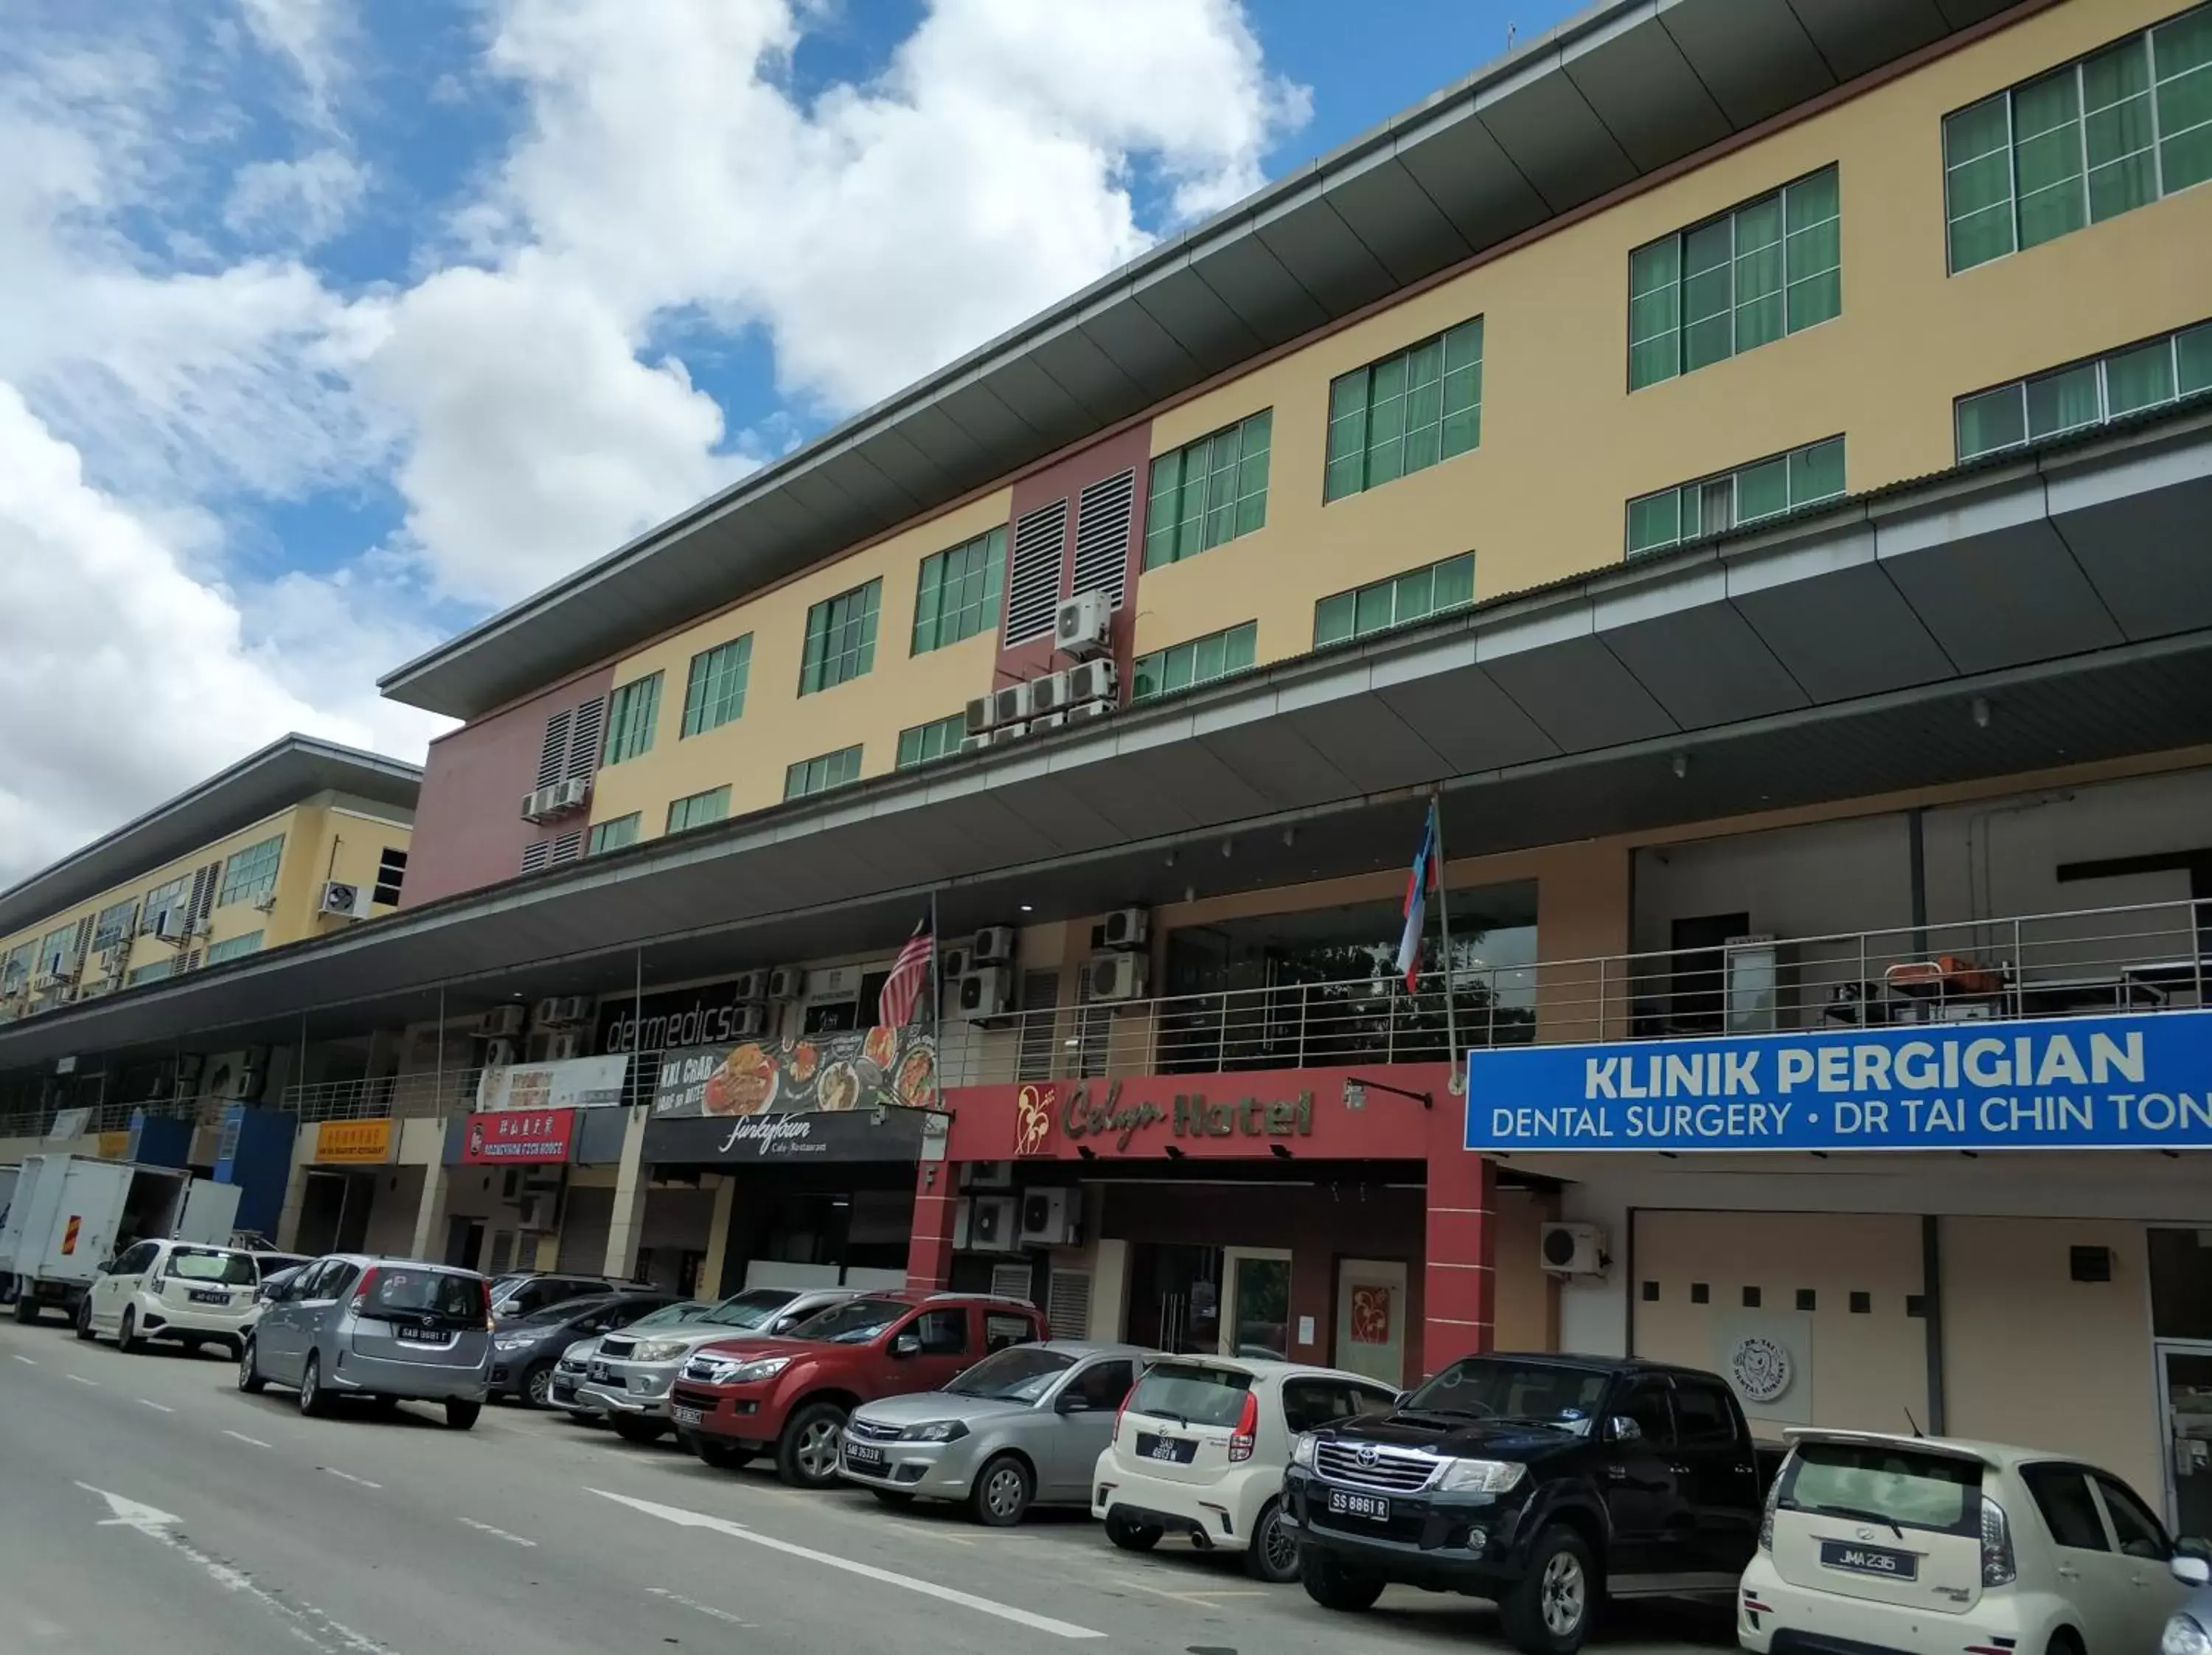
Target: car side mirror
1072, 1401
2190, 1569
106, 1267
906, 1344
1621, 1428
1401, 1399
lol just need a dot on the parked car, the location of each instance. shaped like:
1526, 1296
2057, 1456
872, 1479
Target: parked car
2189, 1629
180, 1291
524, 1292
1022, 1426
741, 1398
1924, 1544
389, 1330
525, 1348
266, 1265
1547, 1483
574, 1368
628, 1376
1200, 1450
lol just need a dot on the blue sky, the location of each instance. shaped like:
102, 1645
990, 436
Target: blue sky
332, 326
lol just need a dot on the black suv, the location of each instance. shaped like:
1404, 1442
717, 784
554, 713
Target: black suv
1545, 1483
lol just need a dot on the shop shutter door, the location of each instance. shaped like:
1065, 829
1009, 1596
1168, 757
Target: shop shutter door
502, 1253
1068, 1305
585, 1226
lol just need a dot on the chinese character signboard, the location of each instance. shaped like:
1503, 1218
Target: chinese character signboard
515, 1137
354, 1143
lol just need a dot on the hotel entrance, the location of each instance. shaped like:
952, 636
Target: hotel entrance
1221, 1301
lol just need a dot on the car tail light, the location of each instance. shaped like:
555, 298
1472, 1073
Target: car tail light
1247, 1435
1119, 1412
360, 1306
1998, 1568
485, 1288
1767, 1517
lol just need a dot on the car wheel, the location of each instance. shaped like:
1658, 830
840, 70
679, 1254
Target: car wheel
126, 1331
2064, 1641
1332, 1586
461, 1412
1002, 1492
312, 1402
249, 1375
1549, 1611
722, 1456
637, 1430
1273, 1556
537, 1385
83, 1316
897, 1499
1131, 1536
26, 1306
806, 1452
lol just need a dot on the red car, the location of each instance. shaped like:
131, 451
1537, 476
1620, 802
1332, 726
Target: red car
741, 1398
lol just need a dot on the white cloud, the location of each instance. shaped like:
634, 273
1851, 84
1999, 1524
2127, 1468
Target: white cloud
308, 35
302, 203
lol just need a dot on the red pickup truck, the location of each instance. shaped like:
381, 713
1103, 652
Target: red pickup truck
743, 1397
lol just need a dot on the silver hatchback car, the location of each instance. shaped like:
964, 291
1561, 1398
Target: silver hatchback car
389, 1330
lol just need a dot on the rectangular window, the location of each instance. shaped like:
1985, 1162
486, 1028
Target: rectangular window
699, 809
250, 875
153, 973
232, 948
841, 638
920, 743
2085, 395
1769, 267
1186, 665
113, 923
1406, 412
167, 898
54, 947
1767, 487
1408, 597
1209, 491
614, 834
390, 875
812, 775
2100, 136
715, 688
958, 595
16, 967
632, 711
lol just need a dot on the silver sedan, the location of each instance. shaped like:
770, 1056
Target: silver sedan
1022, 1426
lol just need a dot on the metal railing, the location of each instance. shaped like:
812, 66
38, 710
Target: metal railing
399, 1096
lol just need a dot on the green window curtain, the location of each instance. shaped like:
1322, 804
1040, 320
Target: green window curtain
2192, 354
234, 948
1817, 473
1333, 620
715, 688
1653, 312
1374, 609
956, 592
1242, 648
1347, 435
1758, 273
1977, 182
2064, 401
1406, 412
614, 835
2142, 378
1708, 295
1993, 420
1455, 583
1209, 491
1202, 660
2182, 62
1257, 443
2117, 139
1762, 490
1815, 257
1160, 512
632, 712
2047, 157
1655, 520
921, 743
1463, 388
699, 809
841, 639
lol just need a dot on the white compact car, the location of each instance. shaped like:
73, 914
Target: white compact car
1930, 1546
177, 1290
1199, 1449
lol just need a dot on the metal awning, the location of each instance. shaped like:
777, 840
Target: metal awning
1836, 655
1627, 87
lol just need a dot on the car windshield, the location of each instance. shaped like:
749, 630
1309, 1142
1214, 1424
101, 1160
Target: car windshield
440, 1292
668, 1315
1191, 1394
852, 1323
749, 1309
1534, 1393
212, 1265
271, 1264
1883, 1482
1020, 1373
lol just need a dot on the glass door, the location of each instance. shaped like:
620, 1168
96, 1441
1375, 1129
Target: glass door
2185, 1397
1256, 1301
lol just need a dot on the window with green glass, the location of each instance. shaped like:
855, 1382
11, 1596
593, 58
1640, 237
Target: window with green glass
1202, 660
1407, 413
632, 712
149, 973
614, 833
2100, 136
841, 638
699, 808
1769, 267
232, 948
1764, 488
958, 593
1209, 491
920, 743
60, 940
1429, 590
813, 776
113, 923
2073, 399
715, 689
250, 875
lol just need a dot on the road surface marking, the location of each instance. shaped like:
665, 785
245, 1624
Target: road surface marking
78, 1379
497, 1534
251, 1442
26, 1361
130, 1514
159, 1407
350, 1478
682, 1601
683, 1519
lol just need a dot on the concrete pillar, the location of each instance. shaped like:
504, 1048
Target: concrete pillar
428, 1243
629, 1201
936, 1206
1109, 1291
1460, 1295
295, 1190
718, 1238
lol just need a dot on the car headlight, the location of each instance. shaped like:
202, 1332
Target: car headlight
659, 1350
511, 1344
765, 1367
1302, 1449
2184, 1636
1481, 1476
935, 1431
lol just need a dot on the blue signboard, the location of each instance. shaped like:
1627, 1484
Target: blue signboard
2129, 1082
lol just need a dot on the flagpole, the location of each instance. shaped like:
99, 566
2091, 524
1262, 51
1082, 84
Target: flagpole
936, 1005
1443, 922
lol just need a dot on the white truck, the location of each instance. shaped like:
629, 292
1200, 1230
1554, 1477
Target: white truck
69, 1215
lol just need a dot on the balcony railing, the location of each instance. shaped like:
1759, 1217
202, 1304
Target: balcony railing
399, 1096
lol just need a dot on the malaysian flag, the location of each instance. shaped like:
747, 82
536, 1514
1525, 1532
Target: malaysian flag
1424, 879
909, 973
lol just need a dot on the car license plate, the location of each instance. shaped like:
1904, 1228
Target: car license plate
199, 1296
422, 1336
685, 1415
860, 1453
1175, 1450
1346, 1503
1869, 1560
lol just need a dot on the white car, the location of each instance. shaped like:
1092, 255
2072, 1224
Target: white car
1199, 1448
1931, 1546
177, 1290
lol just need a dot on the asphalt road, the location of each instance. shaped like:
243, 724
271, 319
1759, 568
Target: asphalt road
145, 1504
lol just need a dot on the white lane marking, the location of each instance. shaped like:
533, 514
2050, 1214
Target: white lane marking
130, 1514
677, 1515
251, 1442
78, 1379
682, 1601
159, 1407
349, 1476
497, 1534
26, 1361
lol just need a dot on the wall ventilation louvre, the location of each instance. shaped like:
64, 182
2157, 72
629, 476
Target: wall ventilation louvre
1033, 582
1102, 514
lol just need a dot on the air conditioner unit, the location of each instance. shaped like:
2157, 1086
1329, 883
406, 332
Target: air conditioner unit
1571, 1249
993, 945
499, 1054
1127, 927
541, 1210
171, 926
576, 1008
978, 718
47, 981
1082, 711
785, 983
500, 1023
233, 1079
953, 963
1047, 721
837, 983
1048, 1218
973, 743
992, 1225
986, 1175
267, 904
571, 794
1006, 733
987, 991
1049, 694
1117, 976
1080, 626
1010, 704
749, 1019
536, 804
1094, 680
547, 1012
342, 900
749, 986
562, 1047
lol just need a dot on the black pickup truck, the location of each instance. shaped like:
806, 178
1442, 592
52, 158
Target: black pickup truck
1547, 1483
